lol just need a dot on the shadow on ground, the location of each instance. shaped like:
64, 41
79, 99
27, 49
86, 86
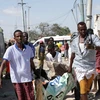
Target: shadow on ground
7, 90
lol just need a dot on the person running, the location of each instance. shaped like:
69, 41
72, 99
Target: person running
20, 57
83, 58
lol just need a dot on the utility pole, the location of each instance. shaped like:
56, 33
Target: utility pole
22, 4
28, 19
25, 21
82, 10
89, 14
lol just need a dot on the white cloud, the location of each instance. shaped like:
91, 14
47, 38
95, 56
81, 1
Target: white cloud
12, 11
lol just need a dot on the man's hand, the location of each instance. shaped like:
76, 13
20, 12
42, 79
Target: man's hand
69, 70
89, 46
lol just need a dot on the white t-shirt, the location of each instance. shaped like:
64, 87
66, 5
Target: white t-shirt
20, 70
81, 45
57, 58
50, 63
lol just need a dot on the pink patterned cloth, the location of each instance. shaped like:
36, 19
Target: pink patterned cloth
98, 61
24, 91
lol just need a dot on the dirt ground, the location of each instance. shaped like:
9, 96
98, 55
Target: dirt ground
7, 90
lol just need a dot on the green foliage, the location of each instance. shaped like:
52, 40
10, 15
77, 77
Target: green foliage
44, 29
58, 30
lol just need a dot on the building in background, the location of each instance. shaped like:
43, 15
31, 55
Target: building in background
97, 24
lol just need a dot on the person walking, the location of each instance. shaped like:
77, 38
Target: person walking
98, 71
97, 78
66, 47
53, 55
20, 57
83, 58
41, 54
50, 41
26, 42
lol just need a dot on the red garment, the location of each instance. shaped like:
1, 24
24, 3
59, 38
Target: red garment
66, 46
7, 67
98, 61
24, 91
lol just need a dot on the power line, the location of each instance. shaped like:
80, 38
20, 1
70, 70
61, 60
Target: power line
74, 4
65, 17
65, 14
58, 17
74, 16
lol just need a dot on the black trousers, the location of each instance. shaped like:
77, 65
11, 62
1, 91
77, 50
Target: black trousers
77, 91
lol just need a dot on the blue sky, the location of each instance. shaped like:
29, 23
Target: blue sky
50, 11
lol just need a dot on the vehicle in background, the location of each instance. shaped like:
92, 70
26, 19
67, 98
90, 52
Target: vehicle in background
57, 39
2, 46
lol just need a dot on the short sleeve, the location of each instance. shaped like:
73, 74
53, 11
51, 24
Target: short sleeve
8, 54
96, 40
73, 46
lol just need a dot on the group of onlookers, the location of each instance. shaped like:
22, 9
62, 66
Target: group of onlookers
42, 49
84, 60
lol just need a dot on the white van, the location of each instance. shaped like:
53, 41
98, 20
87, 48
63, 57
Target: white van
57, 39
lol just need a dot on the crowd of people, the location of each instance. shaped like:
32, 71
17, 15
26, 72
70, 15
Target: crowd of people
84, 60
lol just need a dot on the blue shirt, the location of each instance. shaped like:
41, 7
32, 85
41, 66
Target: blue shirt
33, 48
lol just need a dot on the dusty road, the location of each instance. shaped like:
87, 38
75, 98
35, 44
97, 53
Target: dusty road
7, 91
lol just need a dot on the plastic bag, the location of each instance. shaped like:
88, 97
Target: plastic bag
59, 87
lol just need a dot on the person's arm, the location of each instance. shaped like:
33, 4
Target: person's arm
3, 65
94, 47
60, 58
71, 62
32, 64
96, 43
97, 47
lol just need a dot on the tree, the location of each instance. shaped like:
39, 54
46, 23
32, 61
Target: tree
44, 29
58, 30
33, 35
